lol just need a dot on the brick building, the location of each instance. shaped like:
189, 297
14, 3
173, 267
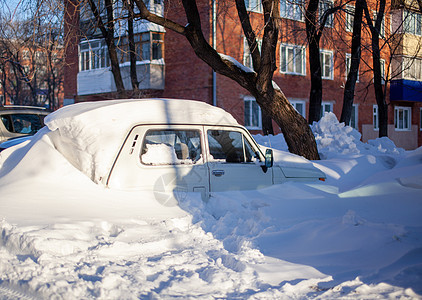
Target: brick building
168, 67
31, 75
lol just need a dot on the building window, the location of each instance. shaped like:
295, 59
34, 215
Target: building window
348, 63
375, 118
402, 118
382, 62
148, 46
292, 59
41, 99
252, 114
326, 107
354, 117
325, 5
350, 16
420, 119
292, 9
412, 68
253, 5
382, 29
300, 106
326, 58
25, 54
247, 56
93, 55
412, 23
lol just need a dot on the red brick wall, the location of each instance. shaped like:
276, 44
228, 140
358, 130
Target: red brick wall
71, 39
186, 76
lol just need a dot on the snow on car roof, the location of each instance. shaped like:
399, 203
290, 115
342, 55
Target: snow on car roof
90, 134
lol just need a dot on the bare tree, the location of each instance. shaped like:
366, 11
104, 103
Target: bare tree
297, 133
31, 54
315, 24
352, 76
107, 30
375, 29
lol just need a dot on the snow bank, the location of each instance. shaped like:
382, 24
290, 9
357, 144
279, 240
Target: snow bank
90, 134
358, 235
334, 138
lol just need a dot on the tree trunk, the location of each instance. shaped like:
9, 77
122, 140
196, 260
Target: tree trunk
132, 53
296, 131
376, 55
294, 127
108, 35
315, 96
267, 124
349, 90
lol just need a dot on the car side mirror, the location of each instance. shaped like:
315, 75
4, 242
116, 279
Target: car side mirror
269, 160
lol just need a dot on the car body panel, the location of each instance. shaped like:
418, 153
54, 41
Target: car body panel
226, 175
130, 172
169, 147
208, 174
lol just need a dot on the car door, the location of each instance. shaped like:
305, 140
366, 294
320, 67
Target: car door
234, 160
165, 159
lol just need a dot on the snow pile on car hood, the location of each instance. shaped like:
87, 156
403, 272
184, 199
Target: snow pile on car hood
90, 134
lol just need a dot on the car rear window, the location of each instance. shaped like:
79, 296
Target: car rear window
171, 147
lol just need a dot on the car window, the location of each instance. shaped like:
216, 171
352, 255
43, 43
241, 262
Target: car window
171, 147
229, 146
6, 122
22, 123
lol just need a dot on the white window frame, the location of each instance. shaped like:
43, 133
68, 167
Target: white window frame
298, 52
324, 105
292, 9
41, 99
420, 118
375, 117
93, 58
412, 68
412, 22
327, 4
382, 61
247, 56
350, 17
382, 29
327, 57
295, 103
251, 100
25, 54
402, 125
254, 6
354, 118
348, 63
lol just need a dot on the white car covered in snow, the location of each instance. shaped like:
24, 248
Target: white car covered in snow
168, 145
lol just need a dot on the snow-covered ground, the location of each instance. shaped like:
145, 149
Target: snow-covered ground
358, 235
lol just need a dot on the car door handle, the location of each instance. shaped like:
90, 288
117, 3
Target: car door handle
218, 173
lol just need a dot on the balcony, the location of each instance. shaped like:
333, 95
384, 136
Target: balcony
406, 90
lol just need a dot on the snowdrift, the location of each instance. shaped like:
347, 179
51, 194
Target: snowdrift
356, 236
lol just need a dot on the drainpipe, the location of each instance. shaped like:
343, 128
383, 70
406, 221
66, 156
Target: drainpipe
214, 45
